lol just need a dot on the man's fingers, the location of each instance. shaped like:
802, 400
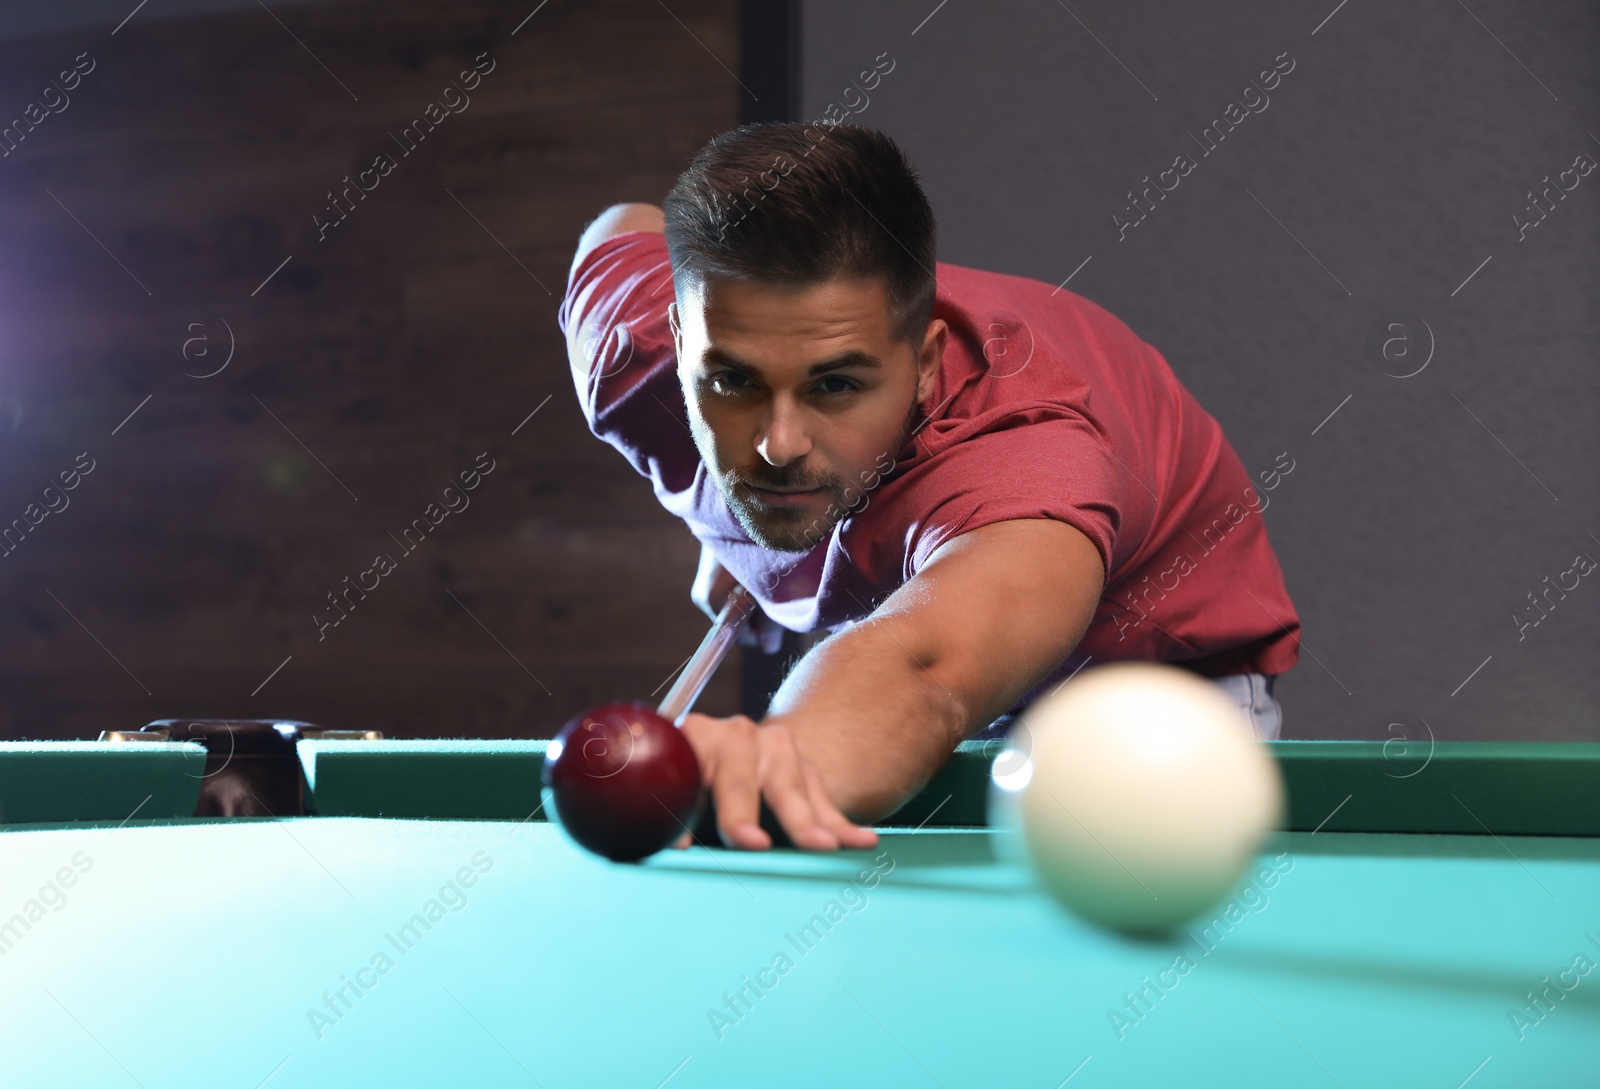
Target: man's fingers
736, 787
783, 782
848, 834
702, 732
720, 747
741, 763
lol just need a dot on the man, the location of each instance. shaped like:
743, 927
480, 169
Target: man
978, 484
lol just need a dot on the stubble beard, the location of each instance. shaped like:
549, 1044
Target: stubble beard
799, 531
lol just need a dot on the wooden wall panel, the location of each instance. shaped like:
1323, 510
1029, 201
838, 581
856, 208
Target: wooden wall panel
396, 350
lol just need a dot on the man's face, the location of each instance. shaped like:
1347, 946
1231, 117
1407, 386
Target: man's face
799, 398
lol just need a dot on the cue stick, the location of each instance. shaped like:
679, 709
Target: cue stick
707, 656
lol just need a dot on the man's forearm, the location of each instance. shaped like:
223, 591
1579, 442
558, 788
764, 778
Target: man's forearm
868, 708
870, 714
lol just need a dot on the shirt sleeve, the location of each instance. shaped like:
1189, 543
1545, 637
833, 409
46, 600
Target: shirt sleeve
623, 362
1031, 461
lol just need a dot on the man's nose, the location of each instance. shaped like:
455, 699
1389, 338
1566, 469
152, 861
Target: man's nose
784, 438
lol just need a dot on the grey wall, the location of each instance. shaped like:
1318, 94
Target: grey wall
1386, 168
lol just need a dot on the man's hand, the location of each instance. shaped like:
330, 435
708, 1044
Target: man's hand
871, 713
712, 584
742, 762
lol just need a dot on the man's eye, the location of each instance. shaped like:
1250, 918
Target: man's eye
844, 386
727, 382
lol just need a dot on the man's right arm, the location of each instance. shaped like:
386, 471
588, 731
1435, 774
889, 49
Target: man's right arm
615, 220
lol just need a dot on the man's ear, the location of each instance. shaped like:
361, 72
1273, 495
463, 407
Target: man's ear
932, 354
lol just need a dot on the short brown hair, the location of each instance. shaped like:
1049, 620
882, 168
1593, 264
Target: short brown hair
843, 201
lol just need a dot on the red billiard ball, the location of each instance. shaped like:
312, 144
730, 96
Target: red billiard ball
622, 781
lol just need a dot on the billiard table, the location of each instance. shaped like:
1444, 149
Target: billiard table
1427, 917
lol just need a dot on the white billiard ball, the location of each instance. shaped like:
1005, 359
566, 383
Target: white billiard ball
1138, 793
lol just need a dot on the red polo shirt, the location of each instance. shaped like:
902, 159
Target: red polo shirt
1046, 406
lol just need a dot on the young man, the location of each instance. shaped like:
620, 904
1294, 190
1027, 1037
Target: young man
977, 483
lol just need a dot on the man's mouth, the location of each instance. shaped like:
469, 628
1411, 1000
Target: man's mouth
782, 497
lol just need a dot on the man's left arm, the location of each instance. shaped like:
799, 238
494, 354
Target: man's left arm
867, 717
